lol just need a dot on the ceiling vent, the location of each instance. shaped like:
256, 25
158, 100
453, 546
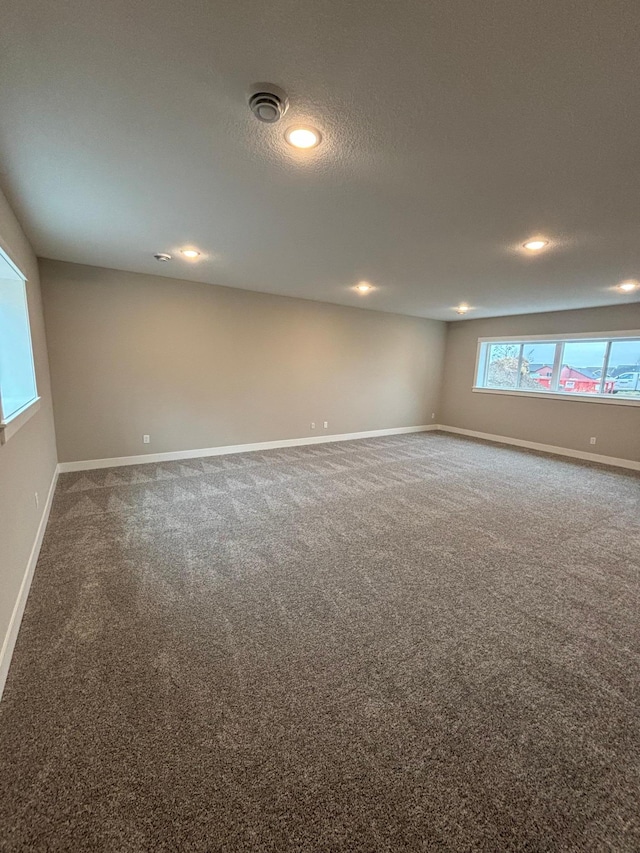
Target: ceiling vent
268, 103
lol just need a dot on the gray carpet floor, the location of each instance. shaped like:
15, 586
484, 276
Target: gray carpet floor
410, 643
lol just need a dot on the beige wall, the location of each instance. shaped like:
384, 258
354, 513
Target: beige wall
28, 459
197, 366
561, 423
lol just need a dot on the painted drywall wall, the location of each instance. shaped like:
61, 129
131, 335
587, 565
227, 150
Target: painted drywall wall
196, 366
28, 458
561, 423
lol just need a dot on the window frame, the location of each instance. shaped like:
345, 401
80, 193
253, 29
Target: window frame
482, 362
10, 426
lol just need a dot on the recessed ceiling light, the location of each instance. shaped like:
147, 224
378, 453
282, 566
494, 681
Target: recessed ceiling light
628, 286
190, 253
162, 256
535, 245
303, 137
462, 309
363, 287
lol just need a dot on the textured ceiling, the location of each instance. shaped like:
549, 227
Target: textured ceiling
453, 130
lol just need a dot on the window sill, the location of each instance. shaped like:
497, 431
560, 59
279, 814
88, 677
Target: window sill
10, 428
613, 400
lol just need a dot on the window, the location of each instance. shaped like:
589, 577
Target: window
605, 367
18, 392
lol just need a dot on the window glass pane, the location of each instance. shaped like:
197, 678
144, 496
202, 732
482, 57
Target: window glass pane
17, 380
623, 373
564, 367
582, 363
537, 366
502, 365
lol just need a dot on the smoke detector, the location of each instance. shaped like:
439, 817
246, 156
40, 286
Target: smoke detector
268, 103
162, 256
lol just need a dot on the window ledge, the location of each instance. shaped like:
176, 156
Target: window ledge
19, 419
613, 400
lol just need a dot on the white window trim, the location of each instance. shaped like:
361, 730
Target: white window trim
554, 395
10, 427
558, 395
550, 339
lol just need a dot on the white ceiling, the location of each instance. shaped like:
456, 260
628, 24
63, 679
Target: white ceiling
453, 130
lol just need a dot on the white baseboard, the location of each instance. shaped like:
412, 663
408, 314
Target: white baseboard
546, 448
117, 461
16, 617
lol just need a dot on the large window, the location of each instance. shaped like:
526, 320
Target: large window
599, 367
17, 376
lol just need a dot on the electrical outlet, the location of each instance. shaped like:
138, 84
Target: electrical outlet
146, 439
36, 499
313, 425
326, 424
433, 415
592, 440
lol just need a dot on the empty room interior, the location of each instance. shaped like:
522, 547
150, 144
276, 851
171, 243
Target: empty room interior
320, 426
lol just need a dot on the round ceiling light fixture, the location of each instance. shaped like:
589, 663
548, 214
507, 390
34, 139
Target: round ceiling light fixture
268, 103
535, 245
363, 287
303, 137
190, 253
628, 286
462, 308
162, 256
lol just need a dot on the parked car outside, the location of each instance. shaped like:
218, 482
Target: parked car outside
627, 382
